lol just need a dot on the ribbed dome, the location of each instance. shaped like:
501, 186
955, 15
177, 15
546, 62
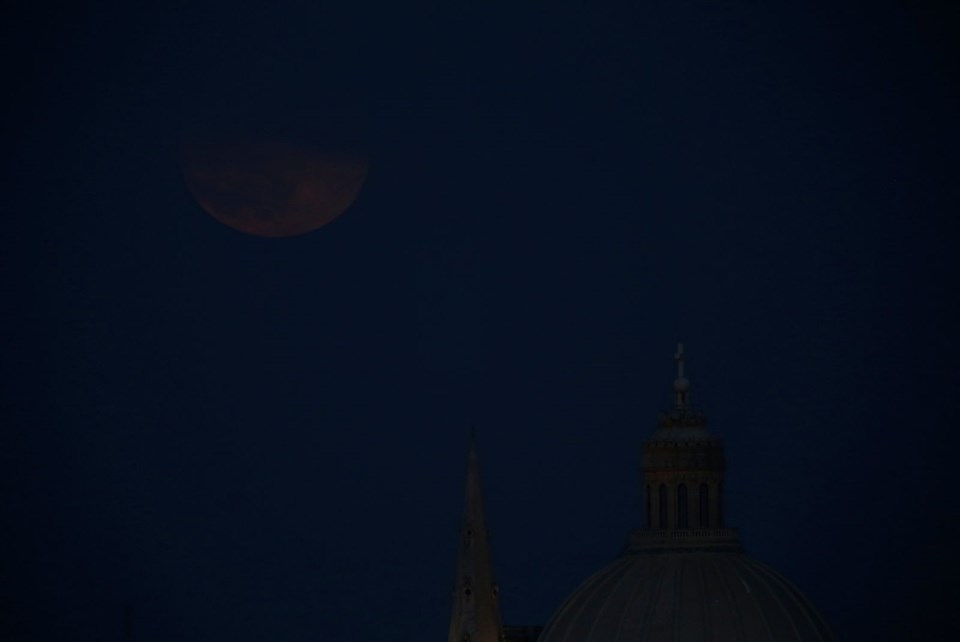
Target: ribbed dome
685, 578
686, 596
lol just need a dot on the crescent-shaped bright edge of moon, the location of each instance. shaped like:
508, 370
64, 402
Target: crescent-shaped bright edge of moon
272, 188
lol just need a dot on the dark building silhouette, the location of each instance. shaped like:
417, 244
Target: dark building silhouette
683, 578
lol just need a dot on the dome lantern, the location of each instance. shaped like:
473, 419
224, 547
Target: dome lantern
682, 467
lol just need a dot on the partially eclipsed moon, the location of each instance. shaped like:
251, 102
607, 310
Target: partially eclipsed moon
272, 188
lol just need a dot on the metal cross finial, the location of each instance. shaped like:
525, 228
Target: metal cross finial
681, 386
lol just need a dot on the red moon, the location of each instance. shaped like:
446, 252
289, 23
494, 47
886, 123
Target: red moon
272, 188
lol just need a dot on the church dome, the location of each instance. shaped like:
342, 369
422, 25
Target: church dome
685, 578
686, 596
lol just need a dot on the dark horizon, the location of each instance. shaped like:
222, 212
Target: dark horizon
246, 438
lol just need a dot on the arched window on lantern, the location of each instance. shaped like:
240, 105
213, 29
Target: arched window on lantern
662, 506
649, 508
704, 506
682, 521
720, 505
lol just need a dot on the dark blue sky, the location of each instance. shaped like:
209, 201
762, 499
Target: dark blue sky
265, 439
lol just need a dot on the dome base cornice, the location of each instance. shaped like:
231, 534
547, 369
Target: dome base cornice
651, 540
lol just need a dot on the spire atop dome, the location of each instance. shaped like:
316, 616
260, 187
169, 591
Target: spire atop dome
683, 414
681, 385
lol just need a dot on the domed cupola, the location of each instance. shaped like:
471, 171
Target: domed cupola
684, 578
683, 467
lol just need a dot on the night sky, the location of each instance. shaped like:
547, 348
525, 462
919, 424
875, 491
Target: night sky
247, 439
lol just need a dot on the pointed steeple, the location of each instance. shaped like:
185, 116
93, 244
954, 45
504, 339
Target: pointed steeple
476, 605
